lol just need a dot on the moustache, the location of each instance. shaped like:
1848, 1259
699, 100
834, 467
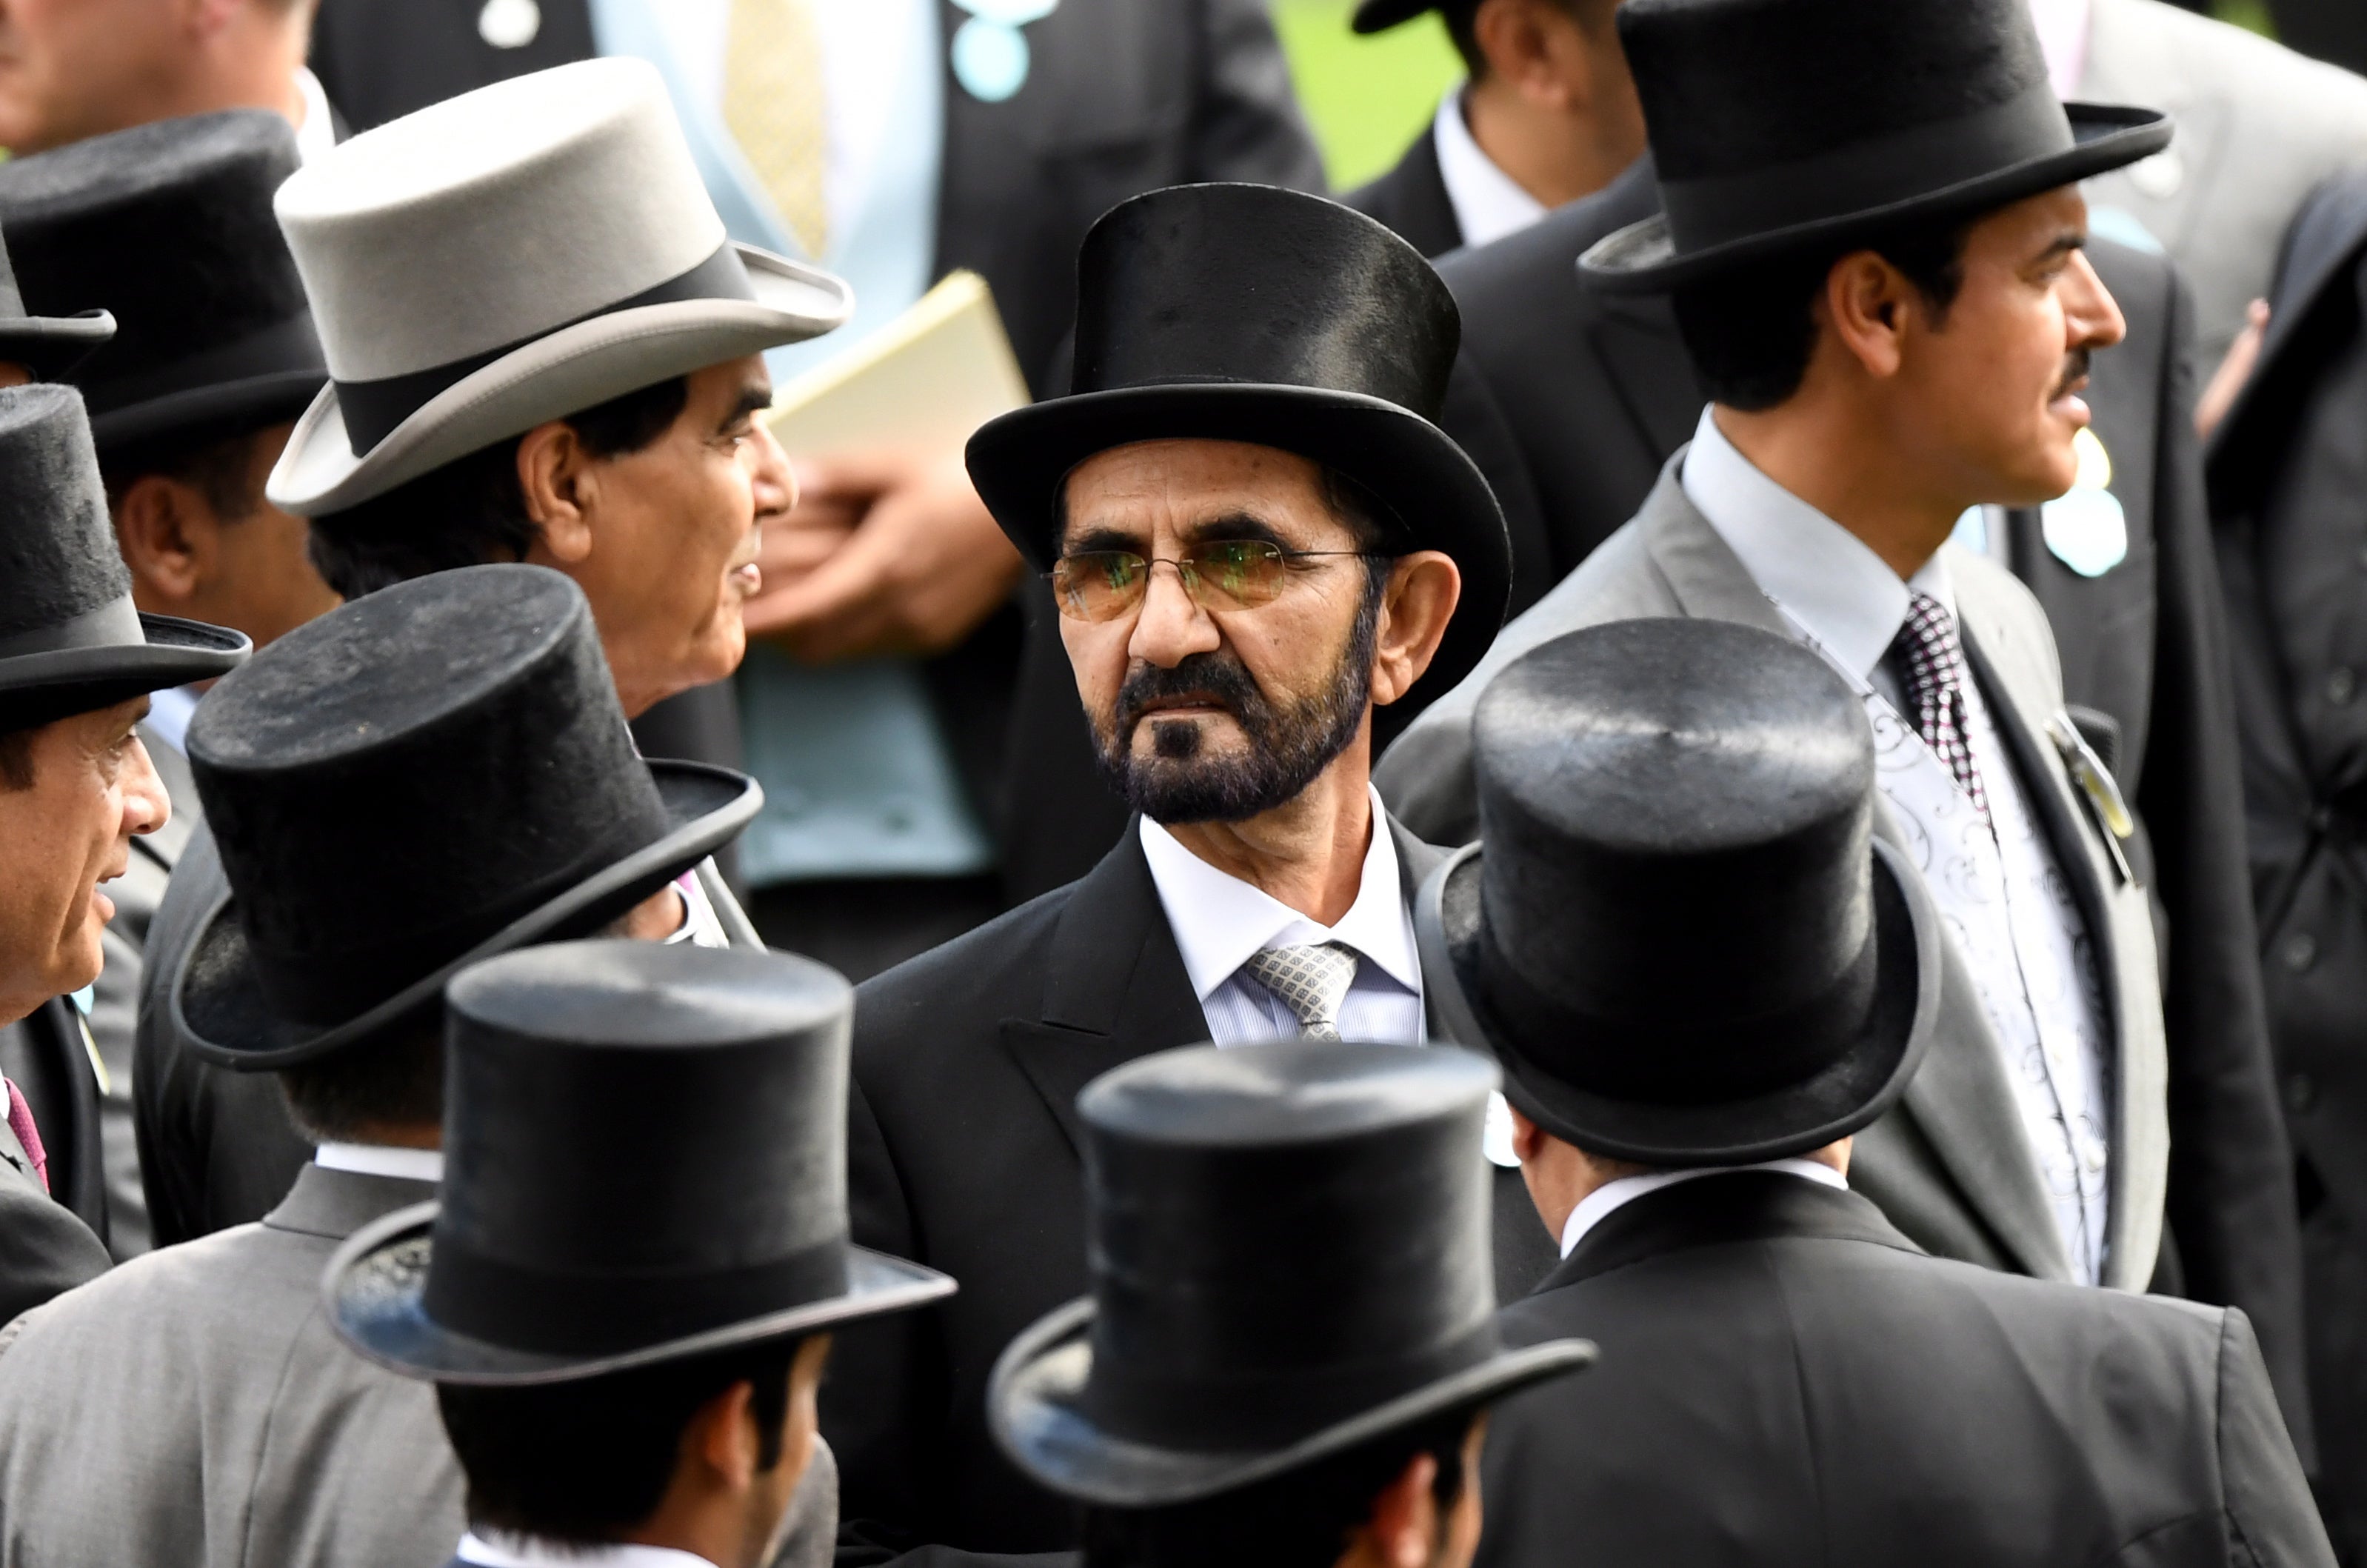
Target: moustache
2075, 371
1214, 677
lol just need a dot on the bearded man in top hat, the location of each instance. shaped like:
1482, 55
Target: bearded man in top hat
191, 405
623, 1363
1886, 291
1256, 536
425, 778
599, 417
1289, 1349
77, 661
1786, 1378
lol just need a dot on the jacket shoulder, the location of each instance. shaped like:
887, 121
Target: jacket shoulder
963, 986
2012, 624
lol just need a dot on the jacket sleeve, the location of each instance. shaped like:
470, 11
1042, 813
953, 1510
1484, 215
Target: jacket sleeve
2231, 1202
2271, 1521
1249, 124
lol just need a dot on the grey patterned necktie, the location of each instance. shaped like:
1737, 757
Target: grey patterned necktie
1311, 980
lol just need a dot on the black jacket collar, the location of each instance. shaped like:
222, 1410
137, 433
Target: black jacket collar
1740, 1206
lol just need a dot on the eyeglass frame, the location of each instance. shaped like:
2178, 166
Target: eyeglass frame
1185, 576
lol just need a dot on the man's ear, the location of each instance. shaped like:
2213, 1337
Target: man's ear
169, 537
1422, 591
1402, 1531
1866, 304
561, 485
722, 1438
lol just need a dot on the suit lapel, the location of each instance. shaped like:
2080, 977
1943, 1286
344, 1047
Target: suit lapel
1114, 987
1425, 214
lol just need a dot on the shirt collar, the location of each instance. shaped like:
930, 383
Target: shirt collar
1612, 1196
1220, 920
382, 1160
1824, 576
2063, 38
1488, 204
318, 134
499, 1548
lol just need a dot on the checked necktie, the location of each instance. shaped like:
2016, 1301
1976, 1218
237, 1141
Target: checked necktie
1311, 980
1934, 658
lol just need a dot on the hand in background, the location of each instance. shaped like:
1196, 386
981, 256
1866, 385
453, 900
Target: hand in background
2227, 381
886, 553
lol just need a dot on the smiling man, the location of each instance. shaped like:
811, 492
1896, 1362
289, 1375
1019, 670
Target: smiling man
1250, 555
543, 348
1884, 290
77, 660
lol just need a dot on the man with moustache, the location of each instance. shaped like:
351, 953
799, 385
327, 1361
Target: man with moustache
587, 403
1256, 536
1886, 348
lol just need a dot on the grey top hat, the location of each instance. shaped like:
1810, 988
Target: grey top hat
71, 639
514, 255
552, 1257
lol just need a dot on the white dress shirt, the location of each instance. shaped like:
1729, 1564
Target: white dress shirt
492, 1549
1221, 922
382, 1160
169, 713
1488, 202
1997, 886
1614, 1194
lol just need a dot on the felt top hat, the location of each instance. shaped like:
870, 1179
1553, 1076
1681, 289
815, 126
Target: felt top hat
1677, 931
214, 336
510, 256
1381, 16
1289, 1255
417, 780
70, 637
1783, 125
553, 1256
1242, 312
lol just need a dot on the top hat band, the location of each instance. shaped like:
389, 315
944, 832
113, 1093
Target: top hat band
287, 344
111, 625
1706, 211
373, 409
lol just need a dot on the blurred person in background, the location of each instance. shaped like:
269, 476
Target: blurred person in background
1548, 115
191, 405
909, 794
71, 69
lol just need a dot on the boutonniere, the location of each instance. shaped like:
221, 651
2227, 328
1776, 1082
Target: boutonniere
990, 52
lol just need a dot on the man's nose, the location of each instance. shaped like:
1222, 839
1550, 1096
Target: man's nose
1169, 627
146, 806
775, 481
2093, 315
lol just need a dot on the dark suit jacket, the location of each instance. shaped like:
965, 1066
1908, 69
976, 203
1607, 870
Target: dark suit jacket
44, 1249
45, 1055
1122, 96
1586, 397
1412, 199
964, 1154
1786, 1379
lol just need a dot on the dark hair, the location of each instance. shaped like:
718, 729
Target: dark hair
1299, 1519
17, 759
1462, 19
219, 468
396, 1080
1753, 331
583, 1463
472, 509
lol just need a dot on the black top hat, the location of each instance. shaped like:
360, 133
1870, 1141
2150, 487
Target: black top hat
215, 336
70, 637
1289, 1255
644, 1158
1242, 312
422, 779
1678, 932
1780, 125
1381, 16
46, 345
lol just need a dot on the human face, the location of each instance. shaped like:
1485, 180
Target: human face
662, 540
93, 788
1203, 714
70, 69
1991, 388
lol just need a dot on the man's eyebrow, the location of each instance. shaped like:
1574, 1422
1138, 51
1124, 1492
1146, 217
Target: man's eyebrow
2063, 243
1097, 536
1235, 525
754, 399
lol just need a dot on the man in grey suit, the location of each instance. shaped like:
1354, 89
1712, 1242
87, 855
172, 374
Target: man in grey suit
192, 1406
1871, 381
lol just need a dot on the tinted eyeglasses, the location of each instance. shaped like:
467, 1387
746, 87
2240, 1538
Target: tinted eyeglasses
1224, 573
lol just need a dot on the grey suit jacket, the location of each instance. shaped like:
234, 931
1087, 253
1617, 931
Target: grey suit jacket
2258, 128
1950, 1166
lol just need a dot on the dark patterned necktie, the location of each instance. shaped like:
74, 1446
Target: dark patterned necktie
1933, 659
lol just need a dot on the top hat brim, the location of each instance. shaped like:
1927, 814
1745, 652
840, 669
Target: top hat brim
1644, 257
1033, 1404
1020, 461
1381, 16
75, 680
220, 1007
560, 373
50, 345
375, 1288
224, 409
1861, 1081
